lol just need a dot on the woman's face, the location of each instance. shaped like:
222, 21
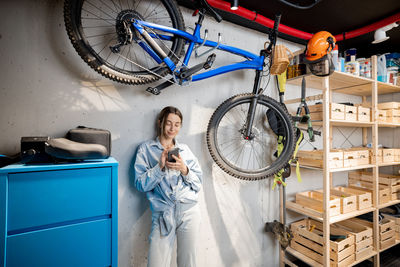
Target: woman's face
172, 126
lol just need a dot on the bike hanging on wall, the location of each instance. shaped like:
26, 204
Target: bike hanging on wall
139, 42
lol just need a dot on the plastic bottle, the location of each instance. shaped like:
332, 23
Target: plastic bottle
367, 68
381, 68
353, 66
341, 64
335, 57
392, 74
361, 62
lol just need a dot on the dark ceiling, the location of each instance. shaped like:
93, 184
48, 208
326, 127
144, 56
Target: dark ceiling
335, 16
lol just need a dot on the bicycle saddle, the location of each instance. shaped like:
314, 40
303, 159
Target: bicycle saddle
63, 148
202, 4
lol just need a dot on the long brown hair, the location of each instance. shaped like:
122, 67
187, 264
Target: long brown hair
162, 118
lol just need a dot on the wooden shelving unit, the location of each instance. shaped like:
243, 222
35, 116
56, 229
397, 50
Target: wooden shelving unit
344, 83
346, 123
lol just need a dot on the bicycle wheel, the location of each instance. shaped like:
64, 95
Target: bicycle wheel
94, 26
255, 158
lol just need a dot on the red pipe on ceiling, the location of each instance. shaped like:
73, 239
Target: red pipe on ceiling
253, 16
370, 28
250, 15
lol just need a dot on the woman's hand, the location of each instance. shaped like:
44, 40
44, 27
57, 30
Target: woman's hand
178, 165
163, 158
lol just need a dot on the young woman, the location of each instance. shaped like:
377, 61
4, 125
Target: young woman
172, 189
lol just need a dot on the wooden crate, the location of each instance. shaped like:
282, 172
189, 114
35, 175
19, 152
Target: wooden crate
385, 179
350, 113
314, 158
314, 200
395, 219
396, 154
386, 226
381, 115
348, 202
378, 158
389, 105
364, 199
310, 243
396, 226
393, 115
363, 237
387, 234
361, 254
392, 182
395, 195
363, 114
336, 112
388, 155
383, 193
356, 156
388, 242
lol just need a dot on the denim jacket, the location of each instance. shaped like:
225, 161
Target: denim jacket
164, 188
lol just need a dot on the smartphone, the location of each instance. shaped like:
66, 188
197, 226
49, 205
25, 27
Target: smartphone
175, 152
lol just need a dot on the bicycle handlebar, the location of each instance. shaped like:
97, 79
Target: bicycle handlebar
204, 4
276, 24
273, 34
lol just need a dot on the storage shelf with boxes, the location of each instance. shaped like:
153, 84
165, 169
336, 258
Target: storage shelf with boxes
337, 206
342, 113
339, 159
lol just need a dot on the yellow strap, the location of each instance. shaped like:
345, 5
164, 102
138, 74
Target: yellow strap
294, 156
282, 82
278, 175
298, 172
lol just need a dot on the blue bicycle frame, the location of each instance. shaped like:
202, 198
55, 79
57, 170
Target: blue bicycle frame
252, 61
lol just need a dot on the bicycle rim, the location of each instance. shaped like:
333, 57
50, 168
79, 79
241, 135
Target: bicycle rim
94, 26
248, 159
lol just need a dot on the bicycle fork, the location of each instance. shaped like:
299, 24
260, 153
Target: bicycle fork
248, 135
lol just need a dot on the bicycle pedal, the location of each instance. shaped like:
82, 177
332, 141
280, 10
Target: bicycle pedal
209, 61
153, 90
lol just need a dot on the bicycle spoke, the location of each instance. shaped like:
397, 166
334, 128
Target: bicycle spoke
115, 6
97, 35
147, 16
257, 155
239, 154
96, 27
120, 5
115, 11
99, 10
233, 141
106, 45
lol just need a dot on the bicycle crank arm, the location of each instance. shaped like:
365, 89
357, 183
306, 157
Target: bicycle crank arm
157, 90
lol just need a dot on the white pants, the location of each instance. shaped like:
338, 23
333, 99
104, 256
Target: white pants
185, 230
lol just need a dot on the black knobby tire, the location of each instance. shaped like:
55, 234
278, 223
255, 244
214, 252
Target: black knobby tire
91, 27
250, 159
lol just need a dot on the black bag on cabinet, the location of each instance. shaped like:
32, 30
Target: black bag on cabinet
88, 135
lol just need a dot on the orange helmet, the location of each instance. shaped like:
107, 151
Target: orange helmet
319, 45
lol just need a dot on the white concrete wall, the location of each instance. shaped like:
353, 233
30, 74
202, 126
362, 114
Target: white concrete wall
46, 89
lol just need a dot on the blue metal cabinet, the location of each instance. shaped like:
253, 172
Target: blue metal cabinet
59, 214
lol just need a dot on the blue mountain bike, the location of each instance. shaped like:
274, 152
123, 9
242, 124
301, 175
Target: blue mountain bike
142, 41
